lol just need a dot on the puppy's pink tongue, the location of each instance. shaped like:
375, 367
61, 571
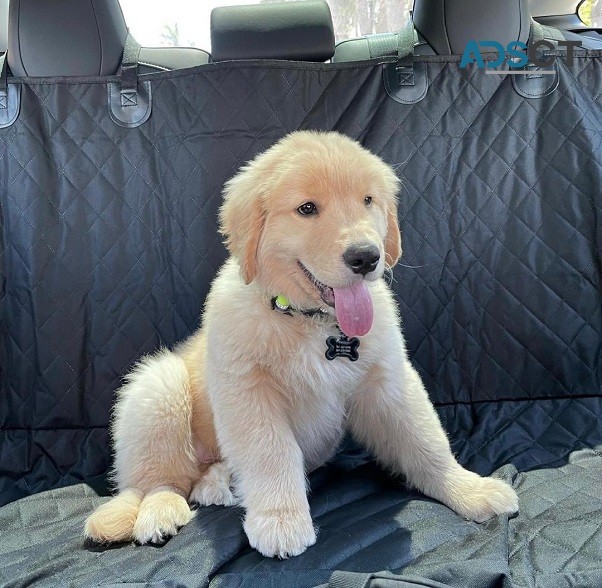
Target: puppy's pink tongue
353, 307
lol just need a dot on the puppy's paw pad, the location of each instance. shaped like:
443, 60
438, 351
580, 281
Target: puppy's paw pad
161, 516
280, 534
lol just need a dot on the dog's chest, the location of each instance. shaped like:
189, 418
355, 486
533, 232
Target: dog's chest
318, 422
322, 360
318, 390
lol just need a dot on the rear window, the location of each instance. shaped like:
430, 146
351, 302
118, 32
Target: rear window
185, 23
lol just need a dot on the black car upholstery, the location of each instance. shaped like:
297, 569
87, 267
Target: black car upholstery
108, 245
447, 26
80, 38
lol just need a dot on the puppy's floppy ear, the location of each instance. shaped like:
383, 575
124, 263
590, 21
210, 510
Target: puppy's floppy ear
393, 239
242, 217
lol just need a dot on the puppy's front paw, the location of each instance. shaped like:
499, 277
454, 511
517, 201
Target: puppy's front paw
478, 498
161, 515
280, 533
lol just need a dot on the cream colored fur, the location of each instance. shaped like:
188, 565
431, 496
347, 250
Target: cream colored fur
251, 394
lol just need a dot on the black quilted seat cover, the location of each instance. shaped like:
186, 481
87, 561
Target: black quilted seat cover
108, 244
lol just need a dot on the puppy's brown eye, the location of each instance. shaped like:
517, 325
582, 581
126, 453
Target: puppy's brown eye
368, 200
307, 208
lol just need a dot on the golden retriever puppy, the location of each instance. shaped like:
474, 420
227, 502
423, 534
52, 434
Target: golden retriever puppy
300, 340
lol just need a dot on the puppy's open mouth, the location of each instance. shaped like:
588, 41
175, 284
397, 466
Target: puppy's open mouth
326, 292
352, 304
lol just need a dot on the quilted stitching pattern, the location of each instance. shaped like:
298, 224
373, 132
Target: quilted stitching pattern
109, 244
562, 508
367, 523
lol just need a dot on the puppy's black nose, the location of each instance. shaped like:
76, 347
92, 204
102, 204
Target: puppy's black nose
362, 259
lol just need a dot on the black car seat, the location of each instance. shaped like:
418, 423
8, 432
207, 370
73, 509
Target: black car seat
80, 38
299, 31
447, 26
444, 27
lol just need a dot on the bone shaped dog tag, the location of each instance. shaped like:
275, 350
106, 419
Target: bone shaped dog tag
342, 346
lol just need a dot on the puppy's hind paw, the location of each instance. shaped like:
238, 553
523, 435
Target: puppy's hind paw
113, 521
213, 488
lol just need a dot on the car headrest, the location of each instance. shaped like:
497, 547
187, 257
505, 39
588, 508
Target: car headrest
65, 37
299, 31
448, 25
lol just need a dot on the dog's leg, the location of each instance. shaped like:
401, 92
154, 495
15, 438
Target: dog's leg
258, 444
155, 463
393, 416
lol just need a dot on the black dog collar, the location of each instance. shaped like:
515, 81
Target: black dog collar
340, 346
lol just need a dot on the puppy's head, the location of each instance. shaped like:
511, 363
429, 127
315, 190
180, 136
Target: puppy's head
314, 218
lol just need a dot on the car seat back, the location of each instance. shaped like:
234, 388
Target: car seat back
72, 38
448, 25
76, 38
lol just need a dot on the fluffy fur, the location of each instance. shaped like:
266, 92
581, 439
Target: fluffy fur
251, 395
